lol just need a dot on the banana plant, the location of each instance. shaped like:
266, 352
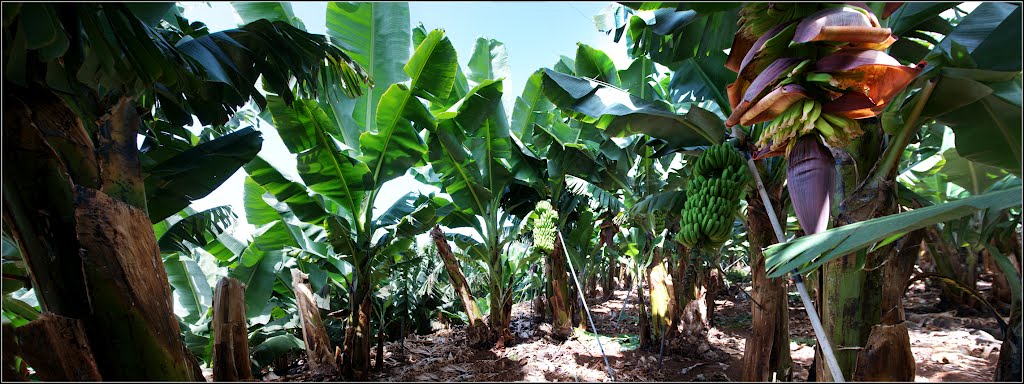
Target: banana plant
348, 179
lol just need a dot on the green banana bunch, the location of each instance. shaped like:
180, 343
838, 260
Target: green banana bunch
545, 219
712, 197
804, 117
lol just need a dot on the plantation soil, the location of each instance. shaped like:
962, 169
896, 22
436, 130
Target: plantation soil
947, 346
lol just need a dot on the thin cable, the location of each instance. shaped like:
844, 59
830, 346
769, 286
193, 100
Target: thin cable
579, 290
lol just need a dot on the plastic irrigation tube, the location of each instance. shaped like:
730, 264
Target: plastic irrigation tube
812, 313
579, 290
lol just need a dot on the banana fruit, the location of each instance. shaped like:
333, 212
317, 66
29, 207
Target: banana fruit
719, 177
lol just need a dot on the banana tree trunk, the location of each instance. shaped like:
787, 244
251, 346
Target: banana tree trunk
662, 299
501, 312
358, 333
608, 284
645, 323
477, 333
852, 285
57, 349
561, 319
766, 355
957, 263
87, 240
230, 334
886, 356
319, 354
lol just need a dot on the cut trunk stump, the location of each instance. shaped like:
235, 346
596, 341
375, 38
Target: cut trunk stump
57, 348
230, 335
320, 356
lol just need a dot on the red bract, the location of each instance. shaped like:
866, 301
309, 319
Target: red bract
771, 76
869, 78
844, 24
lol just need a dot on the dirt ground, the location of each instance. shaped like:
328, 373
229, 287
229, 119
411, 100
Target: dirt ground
948, 346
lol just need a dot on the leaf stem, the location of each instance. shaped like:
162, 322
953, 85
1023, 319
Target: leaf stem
892, 155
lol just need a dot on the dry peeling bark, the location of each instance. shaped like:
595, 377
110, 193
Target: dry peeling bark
57, 349
478, 334
230, 335
319, 355
91, 257
130, 332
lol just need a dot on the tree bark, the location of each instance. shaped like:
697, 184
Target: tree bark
230, 334
357, 335
561, 318
57, 348
91, 257
319, 354
477, 332
766, 354
133, 331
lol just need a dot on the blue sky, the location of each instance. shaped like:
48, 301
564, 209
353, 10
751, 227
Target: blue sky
535, 34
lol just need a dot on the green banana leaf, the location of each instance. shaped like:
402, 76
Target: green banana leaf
991, 35
190, 175
595, 64
197, 228
192, 293
489, 61
394, 146
809, 252
623, 114
975, 177
259, 280
379, 37
305, 207
323, 167
251, 11
265, 352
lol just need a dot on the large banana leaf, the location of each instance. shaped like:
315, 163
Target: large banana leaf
809, 252
395, 146
192, 293
190, 175
530, 106
198, 229
991, 34
984, 110
975, 177
324, 167
379, 38
259, 280
621, 113
251, 11
305, 207
595, 64
489, 61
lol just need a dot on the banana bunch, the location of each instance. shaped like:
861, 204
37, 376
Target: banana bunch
544, 218
719, 178
801, 118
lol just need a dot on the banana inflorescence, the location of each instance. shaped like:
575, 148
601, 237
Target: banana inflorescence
712, 197
803, 117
